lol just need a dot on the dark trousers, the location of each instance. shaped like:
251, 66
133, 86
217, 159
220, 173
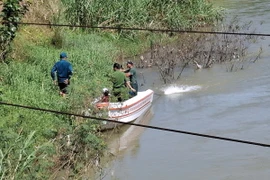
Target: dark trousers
134, 86
63, 87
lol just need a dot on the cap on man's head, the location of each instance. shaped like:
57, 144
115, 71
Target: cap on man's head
63, 55
105, 90
130, 62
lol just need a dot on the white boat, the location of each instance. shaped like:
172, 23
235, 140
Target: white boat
128, 110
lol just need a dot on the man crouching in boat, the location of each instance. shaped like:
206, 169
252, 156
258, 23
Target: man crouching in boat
120, 83
105, 95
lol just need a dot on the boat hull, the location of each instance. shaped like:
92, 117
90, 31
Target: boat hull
129, 110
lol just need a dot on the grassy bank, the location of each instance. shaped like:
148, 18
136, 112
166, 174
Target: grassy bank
25, 78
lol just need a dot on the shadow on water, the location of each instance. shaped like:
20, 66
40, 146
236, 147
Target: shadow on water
127, 136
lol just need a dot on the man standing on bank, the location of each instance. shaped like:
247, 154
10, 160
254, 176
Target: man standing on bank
63, 69
132, 75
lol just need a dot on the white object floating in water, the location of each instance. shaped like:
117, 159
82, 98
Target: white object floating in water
180, 89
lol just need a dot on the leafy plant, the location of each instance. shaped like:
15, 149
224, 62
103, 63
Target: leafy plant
11, 14
19, 159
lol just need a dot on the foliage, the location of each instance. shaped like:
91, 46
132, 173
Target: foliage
19, 159
11, 14
141, 13
75, 146
49, 11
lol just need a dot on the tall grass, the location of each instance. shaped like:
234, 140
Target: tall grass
142, 13
19, 159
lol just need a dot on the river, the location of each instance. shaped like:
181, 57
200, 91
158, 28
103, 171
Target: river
215, 102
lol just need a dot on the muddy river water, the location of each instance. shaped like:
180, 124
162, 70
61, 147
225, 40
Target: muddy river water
215, 102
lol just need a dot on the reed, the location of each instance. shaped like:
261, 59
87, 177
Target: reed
142, 13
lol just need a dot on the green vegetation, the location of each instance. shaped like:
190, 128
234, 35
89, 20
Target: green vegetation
11, 15
19, 158
141, 13
68, 142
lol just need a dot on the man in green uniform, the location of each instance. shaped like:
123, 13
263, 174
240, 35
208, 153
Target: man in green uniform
132, 75
120, 84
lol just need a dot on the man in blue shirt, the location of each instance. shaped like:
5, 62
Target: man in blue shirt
63, 69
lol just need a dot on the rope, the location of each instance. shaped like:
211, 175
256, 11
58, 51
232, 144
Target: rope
141, 29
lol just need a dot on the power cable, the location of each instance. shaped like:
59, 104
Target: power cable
139, 125
142, 29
